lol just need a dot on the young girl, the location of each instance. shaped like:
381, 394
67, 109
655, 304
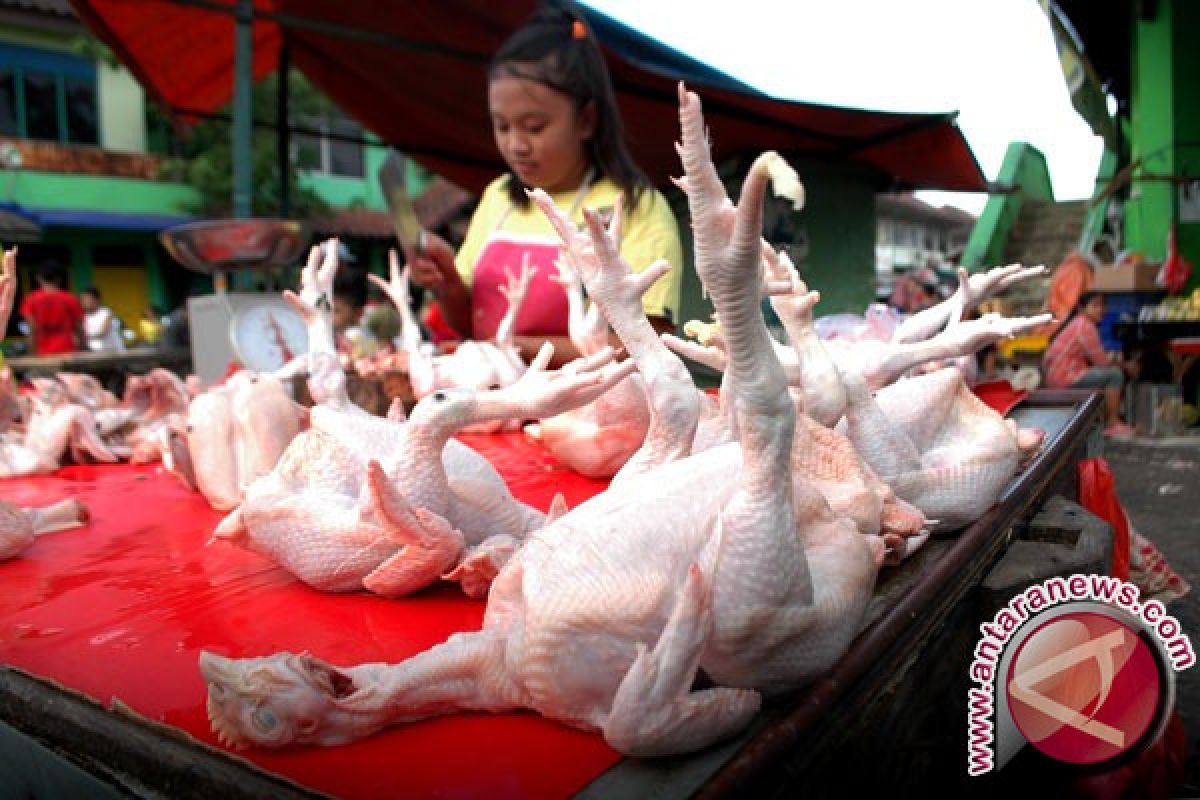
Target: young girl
1076, 359
557, 126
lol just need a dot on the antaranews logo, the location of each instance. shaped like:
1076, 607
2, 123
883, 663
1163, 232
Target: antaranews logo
1079, 668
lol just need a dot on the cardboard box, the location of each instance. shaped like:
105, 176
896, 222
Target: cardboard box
1126, 278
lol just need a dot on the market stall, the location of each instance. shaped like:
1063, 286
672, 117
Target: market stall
101, 628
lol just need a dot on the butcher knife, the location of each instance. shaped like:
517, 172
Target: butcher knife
404, 218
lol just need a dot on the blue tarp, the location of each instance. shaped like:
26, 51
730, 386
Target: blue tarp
108, 220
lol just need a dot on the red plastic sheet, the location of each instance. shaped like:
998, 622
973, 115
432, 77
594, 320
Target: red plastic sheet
122, 607
1000, 396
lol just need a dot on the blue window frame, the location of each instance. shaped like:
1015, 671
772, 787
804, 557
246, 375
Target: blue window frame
47, 95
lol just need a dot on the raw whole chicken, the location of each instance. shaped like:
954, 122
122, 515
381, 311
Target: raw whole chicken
602, 619
11, 409
473, 365
87, 391
358, 502
236, 432
153, 404
55, 426
19, 526
12, 405
936, 444
596, 439
935, 335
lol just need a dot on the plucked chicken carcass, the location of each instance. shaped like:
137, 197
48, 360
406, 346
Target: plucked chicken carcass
11, 408
359, 502
598, 438
55, 427
87, 391
936, 444
152, 405
474, 364
362, 502
602, 619
235, 434
19, 526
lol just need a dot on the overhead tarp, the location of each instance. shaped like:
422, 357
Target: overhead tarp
414, 73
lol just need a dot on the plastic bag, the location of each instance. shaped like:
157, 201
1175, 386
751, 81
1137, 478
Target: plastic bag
1175, 271
1098, 494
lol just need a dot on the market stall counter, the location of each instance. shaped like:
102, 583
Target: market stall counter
101, 628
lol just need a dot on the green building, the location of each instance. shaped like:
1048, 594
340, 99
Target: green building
1139, 57
86, 176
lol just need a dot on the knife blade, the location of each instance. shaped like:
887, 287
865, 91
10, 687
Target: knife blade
404, 218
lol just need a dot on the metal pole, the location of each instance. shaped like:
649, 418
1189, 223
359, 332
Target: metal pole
282, 133
243, 109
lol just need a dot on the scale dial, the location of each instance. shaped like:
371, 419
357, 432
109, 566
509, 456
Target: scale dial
266, 334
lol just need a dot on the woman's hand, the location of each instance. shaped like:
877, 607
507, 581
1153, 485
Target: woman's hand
432, 267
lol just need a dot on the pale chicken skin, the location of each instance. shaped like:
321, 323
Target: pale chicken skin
602, 619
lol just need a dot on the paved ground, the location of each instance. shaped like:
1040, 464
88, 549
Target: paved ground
1159, 485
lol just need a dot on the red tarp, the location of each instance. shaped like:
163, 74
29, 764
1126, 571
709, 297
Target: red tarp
414, 73
122, 607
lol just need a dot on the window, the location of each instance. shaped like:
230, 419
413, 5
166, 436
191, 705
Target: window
8, 102
47, 95
324, 153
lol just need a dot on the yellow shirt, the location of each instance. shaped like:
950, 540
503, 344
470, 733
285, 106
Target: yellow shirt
649, 233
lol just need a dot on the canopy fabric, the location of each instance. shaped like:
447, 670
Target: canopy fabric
40, 218
415, 74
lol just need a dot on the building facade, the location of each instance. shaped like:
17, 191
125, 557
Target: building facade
86, 178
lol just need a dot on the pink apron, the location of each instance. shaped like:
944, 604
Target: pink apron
545, 308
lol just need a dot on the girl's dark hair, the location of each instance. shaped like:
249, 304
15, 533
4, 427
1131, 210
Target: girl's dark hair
1084, 299
556, 49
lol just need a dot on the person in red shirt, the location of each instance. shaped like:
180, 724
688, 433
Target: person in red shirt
55, 316
1076, 359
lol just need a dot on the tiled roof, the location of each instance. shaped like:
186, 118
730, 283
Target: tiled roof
59, 8
354, 222
434, 207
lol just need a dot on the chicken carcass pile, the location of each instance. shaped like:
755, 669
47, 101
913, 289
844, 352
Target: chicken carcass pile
358, 502
603, 617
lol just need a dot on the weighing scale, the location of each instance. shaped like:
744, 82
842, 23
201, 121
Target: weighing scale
259, 330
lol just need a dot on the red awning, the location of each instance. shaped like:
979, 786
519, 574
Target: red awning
414, 73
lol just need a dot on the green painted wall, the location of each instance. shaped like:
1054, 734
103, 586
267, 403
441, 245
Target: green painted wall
33, 38
1024, 169
350, 192
1187, 119
838, 222
1164, 128
1151, 204
96, 192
